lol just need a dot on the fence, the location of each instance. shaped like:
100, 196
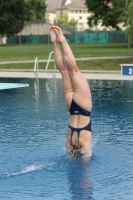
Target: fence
81, 37
85, 43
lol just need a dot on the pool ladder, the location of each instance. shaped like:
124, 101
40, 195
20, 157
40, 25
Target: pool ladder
46, 70
36, 66
36, 82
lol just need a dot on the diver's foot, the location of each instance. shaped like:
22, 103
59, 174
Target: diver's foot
52, 34
60, 36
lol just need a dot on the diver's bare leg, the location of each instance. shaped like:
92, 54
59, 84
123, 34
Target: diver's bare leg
67, 52
82, 93
66, 80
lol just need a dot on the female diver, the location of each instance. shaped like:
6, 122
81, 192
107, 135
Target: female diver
77, 95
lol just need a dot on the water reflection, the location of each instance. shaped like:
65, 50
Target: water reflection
51, 89
36, 89
79, 180
33, 122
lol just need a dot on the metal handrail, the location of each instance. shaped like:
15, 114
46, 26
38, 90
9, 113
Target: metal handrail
36, 67
46, 70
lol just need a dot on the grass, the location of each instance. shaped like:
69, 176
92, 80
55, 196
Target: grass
107, 64
104, 64
30, 51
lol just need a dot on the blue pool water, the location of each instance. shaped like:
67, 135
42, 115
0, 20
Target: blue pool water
33, 161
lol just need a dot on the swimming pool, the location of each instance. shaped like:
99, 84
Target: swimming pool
33, 161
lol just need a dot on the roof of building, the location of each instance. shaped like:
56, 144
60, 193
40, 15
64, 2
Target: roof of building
53, 4
75, 4
63, 2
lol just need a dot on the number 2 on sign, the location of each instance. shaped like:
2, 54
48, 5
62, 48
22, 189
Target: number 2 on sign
130, 71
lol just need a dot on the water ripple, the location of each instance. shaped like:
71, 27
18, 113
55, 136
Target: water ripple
33, 160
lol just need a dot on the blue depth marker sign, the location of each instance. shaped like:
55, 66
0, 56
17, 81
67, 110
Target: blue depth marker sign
126, 69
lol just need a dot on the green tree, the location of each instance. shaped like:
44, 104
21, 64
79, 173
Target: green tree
14, 13
35, 9
105, 12
12, 16
127, 18
63, 21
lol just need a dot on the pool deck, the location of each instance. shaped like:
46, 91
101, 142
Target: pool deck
96, 75
89, 74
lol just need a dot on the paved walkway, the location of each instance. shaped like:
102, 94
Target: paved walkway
51, 60
89, 76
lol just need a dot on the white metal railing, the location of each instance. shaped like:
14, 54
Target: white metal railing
36, 67
46, 70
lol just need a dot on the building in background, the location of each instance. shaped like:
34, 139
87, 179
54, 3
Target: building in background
50, 13
56, 7
76, 10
